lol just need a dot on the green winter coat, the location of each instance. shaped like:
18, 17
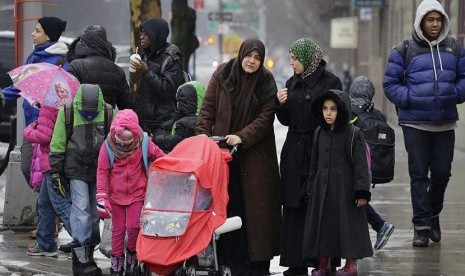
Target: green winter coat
77, 158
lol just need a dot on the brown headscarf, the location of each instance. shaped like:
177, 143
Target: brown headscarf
246, 82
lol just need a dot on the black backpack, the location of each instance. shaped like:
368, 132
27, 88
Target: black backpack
187, 77
380, 138
69, 119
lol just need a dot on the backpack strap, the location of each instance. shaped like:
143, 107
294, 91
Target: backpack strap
111, 155
108, 117
186, 76
144, 147
403, 47
145, 150
69, 120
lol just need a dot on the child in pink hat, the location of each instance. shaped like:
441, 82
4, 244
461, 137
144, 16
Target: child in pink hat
121, 186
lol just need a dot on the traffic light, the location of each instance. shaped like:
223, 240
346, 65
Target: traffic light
269, 63
211, 39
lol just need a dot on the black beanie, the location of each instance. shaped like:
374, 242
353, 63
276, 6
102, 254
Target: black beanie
53, 26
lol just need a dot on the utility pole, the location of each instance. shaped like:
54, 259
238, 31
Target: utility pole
220, 33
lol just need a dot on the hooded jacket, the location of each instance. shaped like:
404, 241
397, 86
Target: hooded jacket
126, 182
190, 97
156, 97
427, 90
76, 158
53, 53
334, 226
92, 58
41, 134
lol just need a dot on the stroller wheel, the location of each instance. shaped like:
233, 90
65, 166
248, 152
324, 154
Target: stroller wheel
225, 271
190, 271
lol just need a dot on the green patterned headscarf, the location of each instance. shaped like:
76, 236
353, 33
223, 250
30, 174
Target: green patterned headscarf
307, 52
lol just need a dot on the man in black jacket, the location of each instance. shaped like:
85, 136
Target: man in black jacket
161, 75
91, 57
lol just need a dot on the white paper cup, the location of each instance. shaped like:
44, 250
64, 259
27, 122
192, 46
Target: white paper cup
136, 59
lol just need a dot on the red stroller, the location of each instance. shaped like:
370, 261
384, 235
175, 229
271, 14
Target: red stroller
186, 200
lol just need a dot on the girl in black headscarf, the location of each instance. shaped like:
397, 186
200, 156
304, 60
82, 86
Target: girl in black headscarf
239, 104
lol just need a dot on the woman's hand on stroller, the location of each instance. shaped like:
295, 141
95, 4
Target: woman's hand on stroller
103, 206
233, 140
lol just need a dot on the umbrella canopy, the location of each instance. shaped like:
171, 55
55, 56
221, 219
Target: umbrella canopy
45, 83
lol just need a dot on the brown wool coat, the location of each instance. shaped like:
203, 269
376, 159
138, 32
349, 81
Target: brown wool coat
259, 164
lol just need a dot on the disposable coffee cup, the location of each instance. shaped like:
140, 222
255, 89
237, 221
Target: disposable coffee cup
136, 59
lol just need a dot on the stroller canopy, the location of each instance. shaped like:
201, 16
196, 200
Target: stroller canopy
202, 157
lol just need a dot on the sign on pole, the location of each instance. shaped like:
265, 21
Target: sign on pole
344, 33
220, 16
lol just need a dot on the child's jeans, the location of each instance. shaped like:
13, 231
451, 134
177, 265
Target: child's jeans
84, 218
49, 205
125, 218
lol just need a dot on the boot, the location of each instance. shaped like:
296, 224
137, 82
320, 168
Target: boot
117, 266
132, 264
350, 269
322, 269
83, 262
435, 229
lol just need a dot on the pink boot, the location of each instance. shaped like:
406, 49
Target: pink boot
350, 269
322, 269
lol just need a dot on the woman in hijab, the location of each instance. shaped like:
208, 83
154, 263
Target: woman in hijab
240, 104
310, 80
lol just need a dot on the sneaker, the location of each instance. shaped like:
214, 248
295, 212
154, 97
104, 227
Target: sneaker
435, 230
383, 235
420, 238
35, 250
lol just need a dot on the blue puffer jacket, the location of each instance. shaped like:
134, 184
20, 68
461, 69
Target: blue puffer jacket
427, 94
428, 88
51, 52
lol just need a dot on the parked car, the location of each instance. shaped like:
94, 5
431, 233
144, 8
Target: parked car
7, 62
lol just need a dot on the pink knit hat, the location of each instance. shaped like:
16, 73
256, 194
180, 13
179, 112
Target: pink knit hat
123, 136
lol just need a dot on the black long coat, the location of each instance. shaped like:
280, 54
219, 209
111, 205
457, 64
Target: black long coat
296, 114
335, 226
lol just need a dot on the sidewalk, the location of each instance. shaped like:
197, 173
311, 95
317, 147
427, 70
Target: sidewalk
391, 200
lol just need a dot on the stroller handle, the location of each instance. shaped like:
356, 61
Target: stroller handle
221, 140
231, 224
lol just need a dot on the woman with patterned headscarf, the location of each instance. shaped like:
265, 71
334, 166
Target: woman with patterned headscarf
310, 80
240, 104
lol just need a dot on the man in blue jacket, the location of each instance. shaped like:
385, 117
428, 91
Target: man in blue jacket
425, 80
48, 49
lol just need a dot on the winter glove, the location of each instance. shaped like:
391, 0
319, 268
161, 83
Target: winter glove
60, 184
103, 206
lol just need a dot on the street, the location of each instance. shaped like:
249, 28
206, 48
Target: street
391, 200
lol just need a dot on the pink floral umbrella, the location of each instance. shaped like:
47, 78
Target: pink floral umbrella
45, 83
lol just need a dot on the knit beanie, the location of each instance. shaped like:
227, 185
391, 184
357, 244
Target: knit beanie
307, 52
53, 26
123, 136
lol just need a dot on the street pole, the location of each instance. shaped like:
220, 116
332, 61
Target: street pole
220, 33
20, 201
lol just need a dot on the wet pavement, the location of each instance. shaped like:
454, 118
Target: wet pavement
391, 200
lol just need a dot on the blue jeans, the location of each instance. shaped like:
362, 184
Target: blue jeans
430, 156
373, 218
49, 205
84, 218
